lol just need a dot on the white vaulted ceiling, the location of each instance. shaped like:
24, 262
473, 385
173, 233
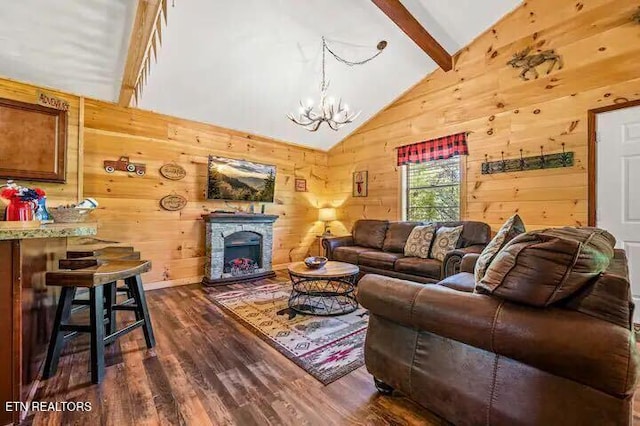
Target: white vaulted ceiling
242, 64
77, 46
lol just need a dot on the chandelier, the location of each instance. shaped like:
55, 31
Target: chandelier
335, 113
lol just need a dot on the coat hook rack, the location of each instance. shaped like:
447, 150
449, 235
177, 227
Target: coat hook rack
536, 162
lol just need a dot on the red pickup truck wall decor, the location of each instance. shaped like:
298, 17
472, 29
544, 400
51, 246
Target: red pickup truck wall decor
124, 165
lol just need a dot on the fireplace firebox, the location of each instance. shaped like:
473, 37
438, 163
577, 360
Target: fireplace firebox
242, 253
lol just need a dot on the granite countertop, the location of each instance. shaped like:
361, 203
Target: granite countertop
53, 230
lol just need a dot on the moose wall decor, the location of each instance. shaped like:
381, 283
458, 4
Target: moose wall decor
529, 62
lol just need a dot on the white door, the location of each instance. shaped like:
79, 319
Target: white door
618, 185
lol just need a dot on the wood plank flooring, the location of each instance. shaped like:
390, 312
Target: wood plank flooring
207, 369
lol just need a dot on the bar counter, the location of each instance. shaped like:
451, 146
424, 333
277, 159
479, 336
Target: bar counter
27, 306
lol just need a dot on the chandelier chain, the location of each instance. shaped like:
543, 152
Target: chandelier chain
338, 58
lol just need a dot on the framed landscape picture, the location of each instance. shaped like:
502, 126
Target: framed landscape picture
360, 184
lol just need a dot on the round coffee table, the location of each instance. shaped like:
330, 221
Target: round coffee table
327, 291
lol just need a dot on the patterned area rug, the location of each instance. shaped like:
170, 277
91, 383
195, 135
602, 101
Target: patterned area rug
325, 347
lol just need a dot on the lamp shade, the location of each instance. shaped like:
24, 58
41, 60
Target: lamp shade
327, 214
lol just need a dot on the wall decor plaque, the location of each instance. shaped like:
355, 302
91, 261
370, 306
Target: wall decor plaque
173, 171
361, 183
301, 185
52, 101
173, 202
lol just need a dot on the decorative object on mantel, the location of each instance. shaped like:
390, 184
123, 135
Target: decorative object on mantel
52, 101
327, 215
361, 184
301, 185
23, 201
529, 63
173, 171
335, 115
432, 150
173, 202
124, 165
537, 162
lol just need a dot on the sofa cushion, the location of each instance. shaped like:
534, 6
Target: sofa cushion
348, 254
542, 267
416, 266
511, 229
464, 281
370, 233
379, 259
419, 241
446, 239
397, 235
473, 232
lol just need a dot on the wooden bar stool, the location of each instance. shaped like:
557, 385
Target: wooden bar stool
111, 290
73, 254
95, 279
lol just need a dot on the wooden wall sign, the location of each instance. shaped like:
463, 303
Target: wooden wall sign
301, 185
173, 171
52, 101
173, 202
33, 143
124, 165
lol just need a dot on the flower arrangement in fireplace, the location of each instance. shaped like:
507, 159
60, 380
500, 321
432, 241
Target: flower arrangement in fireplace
242, 266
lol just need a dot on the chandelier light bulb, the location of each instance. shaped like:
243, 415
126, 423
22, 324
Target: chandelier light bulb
346, 107
309, 102
332, 100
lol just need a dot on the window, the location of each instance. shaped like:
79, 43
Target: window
432, 190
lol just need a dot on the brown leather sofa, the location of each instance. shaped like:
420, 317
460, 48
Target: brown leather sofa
377, 246
478, 359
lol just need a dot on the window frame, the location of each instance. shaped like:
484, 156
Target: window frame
404, 196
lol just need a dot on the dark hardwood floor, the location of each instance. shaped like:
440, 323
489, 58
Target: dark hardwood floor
207, 369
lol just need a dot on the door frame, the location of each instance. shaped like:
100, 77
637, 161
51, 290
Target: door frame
592, 153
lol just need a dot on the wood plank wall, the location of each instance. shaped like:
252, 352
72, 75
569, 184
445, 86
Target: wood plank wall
174, 241
600, 45
129, 206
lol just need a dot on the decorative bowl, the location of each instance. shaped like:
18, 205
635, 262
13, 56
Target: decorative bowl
69, 214
315, 262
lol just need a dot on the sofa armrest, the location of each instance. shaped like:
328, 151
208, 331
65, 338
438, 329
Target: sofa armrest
453, 259
331, 243
468, 262
562, 342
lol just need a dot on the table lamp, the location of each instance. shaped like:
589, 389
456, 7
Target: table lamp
326, 215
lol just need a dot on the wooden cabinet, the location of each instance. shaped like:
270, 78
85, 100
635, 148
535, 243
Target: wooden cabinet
34, 142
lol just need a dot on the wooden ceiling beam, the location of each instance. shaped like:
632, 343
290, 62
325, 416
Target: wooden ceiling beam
411, 27
147, 14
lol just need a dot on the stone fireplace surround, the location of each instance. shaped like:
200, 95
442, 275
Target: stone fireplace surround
221, 225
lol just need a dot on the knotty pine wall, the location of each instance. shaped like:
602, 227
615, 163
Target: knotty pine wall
174, 241
129, 209
600, 46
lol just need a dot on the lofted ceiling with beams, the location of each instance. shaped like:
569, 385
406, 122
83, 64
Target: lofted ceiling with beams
242, 64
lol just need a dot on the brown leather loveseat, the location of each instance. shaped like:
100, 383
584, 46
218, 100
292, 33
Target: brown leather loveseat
377, 247
552, 344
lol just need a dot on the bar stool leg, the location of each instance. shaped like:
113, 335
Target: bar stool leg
96, 307
135, 286
110, 300
56, 343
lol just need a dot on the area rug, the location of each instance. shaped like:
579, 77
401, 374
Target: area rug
325, 347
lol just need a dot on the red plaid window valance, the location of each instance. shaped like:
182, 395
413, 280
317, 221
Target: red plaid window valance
435, 149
